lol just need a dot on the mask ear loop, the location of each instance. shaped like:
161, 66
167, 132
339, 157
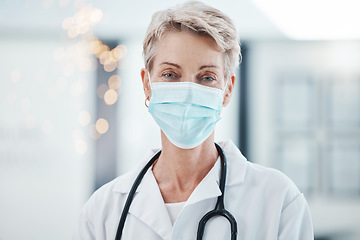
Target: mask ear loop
227, 81
225, 88
225, 91
147, 100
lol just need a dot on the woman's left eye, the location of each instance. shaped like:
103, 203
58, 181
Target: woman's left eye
208, 79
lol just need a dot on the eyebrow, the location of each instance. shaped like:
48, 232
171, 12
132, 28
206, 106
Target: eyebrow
208, 66
179, 67
172, 64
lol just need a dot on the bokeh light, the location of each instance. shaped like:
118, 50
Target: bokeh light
114, 82
84, 118
77, 134
108, 58
82, 21
67, 23
110, 97
96, 16
81, 147
102, 126
110, 67
79, 87
93, 132
68, 70
101, 90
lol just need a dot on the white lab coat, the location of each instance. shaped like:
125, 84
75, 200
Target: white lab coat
265, 203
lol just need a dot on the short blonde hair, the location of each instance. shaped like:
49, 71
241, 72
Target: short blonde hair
200, 19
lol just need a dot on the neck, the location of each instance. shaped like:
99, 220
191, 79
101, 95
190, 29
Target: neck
178, 171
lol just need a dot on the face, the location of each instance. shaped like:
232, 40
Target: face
185, 57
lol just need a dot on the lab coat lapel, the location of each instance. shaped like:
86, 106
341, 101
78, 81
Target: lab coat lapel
208, 187
148, 206
201, 201
236, 169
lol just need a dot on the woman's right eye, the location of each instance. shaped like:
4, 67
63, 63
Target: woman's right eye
169, 76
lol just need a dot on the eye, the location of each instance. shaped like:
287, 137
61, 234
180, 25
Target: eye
169, 75
208, 79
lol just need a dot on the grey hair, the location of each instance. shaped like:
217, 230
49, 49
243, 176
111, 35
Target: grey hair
200, 19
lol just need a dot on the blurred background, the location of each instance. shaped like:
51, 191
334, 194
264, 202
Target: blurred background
73, 115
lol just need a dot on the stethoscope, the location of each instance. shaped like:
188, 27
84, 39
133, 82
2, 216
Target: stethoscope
219, 209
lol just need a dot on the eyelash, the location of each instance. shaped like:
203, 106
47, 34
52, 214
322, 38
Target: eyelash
207, 77
165, 74
204, 79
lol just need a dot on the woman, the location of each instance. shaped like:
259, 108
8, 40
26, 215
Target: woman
190, 55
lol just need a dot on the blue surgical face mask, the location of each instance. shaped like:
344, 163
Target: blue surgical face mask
185, 111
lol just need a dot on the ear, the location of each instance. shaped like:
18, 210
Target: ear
228, 91
146, 82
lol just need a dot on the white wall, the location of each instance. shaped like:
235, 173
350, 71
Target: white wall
43, 178
323, 61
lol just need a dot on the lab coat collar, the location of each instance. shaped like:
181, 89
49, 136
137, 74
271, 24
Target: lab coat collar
207, 188
124, 183
236, 164
148, 201
236, 168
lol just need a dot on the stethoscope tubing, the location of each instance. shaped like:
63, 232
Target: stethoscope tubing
219, 207
132, 194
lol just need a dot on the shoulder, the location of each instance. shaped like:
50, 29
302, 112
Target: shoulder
271, 180
267, 182
115, 188
114, 191
104, 206
268, 195
106, 195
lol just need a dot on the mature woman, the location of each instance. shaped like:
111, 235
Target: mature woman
190, 54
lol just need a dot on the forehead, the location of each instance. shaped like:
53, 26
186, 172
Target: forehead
188, 49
